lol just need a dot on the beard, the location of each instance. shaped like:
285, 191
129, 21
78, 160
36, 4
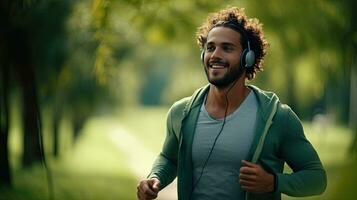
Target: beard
233, 73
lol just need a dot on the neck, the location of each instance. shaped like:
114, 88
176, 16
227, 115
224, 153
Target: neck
216, 98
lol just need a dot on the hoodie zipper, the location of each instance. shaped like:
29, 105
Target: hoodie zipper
259, 148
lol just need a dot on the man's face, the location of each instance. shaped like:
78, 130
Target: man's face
222, 56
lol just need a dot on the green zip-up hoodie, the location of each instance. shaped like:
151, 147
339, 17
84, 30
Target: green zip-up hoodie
279, 138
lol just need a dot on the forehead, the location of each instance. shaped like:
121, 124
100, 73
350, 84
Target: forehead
220, 35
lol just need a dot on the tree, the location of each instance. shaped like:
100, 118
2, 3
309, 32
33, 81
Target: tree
5, 175
14, 46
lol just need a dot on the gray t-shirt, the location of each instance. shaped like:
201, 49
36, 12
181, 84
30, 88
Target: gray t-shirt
220, 179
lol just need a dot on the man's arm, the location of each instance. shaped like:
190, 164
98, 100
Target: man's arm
164, 169
309, 176
165, 165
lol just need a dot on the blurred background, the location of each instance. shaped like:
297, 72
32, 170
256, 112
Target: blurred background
91, 81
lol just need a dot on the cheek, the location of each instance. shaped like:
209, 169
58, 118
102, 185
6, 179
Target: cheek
234, 59
206, 58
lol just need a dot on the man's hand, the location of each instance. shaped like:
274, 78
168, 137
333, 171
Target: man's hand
253, 178
148, 189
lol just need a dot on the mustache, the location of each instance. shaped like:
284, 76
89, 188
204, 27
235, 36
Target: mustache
217, 62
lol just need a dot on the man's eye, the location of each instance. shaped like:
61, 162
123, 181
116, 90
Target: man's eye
209, 48
227, 48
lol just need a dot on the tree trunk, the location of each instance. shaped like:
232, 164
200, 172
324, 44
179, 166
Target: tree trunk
353, 105
56, 123
5, 175
78, 121
32, 151
77, 126
5, 170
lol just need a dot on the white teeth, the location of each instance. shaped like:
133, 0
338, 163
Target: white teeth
217, 66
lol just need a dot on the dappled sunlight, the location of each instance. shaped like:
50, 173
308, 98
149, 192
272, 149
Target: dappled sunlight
87, 85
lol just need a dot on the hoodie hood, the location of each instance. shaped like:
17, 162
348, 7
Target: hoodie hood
266, 100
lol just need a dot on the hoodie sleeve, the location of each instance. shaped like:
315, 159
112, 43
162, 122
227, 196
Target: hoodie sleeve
308, 176
165, 165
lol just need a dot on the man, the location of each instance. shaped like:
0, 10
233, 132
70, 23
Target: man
230, 140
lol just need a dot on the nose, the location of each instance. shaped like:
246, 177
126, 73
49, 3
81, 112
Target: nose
217, 53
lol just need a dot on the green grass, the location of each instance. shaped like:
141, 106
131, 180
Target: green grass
93, 168
115, 151
147, 123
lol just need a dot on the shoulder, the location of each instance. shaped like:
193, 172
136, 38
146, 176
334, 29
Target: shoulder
175, 115
285, 112
178, 107
183, 105
289, 124
268, 98
176, 112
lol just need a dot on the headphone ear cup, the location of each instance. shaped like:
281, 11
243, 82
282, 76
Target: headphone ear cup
249, 59
203, 56
242, 58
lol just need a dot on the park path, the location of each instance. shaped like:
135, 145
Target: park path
139, 158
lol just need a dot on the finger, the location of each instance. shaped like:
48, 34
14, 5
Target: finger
156, 186
249, 164
247, 170
151, 196
143, 196
145, 189
247, 177
150, 192
138, 195
248, 188
247, 183
139, 192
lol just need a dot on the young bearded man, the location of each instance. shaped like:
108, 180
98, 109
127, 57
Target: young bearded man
230, 140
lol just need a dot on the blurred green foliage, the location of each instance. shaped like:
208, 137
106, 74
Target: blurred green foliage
91, 57
100, 53
152, 51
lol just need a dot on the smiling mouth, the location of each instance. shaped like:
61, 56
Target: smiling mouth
217, 65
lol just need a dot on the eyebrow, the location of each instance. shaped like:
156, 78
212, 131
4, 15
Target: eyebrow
223, 44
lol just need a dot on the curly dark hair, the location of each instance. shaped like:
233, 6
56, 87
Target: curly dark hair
248, 27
